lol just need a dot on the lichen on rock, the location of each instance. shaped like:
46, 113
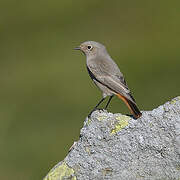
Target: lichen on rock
118, 147
60, 172
122, 121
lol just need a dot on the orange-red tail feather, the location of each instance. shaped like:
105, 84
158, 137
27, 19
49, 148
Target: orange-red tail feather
132, 106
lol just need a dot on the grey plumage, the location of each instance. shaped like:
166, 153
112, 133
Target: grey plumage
104, 71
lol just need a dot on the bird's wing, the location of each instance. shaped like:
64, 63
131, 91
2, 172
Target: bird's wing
111, 78
115, 85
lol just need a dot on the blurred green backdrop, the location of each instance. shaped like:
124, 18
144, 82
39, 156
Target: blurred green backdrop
45, 91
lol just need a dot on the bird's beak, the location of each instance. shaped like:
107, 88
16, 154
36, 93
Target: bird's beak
77, 48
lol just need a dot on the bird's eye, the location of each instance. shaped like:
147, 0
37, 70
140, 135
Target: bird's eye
89, 47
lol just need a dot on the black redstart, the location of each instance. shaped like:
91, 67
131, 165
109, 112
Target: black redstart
107, 76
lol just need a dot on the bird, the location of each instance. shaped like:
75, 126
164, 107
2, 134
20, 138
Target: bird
107, 76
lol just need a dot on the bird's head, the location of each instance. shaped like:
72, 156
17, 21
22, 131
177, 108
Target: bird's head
91, 48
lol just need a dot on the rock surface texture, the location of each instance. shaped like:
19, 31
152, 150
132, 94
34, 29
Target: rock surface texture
117, 147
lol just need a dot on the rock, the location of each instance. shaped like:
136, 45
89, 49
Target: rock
118, 147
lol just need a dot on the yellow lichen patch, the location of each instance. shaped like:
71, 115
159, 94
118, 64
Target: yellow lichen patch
175, 100
100, 118
88, 121
122, 121
87, 150
61, 172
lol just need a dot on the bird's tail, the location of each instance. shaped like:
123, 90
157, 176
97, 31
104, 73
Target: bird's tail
132, 106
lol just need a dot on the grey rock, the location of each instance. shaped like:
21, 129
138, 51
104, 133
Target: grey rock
117, 147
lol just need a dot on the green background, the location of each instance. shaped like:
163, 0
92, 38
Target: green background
45, 91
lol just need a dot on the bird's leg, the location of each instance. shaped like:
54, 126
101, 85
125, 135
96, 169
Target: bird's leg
108, 101
96, 106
